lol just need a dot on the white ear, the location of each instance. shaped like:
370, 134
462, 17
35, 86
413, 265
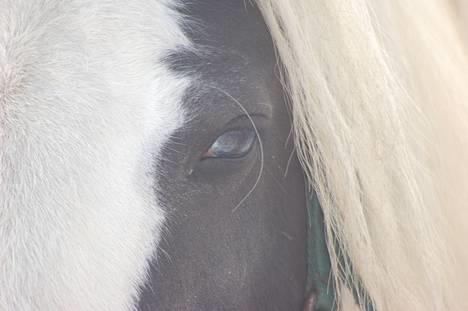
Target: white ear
86, 103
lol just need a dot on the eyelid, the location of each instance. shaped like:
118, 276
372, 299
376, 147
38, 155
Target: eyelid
236, 144
245, 121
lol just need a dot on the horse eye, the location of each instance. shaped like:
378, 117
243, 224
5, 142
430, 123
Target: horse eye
231, 144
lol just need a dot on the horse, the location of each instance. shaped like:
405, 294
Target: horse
233, 155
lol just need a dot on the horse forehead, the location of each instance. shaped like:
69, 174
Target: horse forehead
85, 76
87, 68
55, 44
84, 93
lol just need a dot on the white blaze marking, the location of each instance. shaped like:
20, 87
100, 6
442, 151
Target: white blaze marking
85, 106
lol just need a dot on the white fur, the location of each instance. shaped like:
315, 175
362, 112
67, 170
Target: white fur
85, 106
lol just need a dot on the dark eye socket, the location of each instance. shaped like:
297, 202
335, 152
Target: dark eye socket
232, 144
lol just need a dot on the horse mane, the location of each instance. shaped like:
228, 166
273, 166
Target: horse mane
378, 92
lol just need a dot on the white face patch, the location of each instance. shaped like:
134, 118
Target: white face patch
86, 104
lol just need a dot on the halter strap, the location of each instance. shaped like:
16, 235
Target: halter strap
320, 292
319, 283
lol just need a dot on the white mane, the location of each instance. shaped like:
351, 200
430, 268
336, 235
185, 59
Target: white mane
85, 104
379, 94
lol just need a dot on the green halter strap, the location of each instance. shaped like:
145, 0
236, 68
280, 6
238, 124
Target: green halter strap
318, 260
319, 279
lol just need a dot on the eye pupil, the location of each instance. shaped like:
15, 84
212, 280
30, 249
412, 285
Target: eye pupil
232, 144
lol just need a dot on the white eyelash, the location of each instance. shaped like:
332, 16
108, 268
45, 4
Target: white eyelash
260, 143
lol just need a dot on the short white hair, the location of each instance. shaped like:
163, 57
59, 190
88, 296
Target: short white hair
86, 102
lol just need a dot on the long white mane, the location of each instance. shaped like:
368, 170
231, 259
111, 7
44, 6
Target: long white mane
379, 94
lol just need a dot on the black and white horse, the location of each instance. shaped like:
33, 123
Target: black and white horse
162, 154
